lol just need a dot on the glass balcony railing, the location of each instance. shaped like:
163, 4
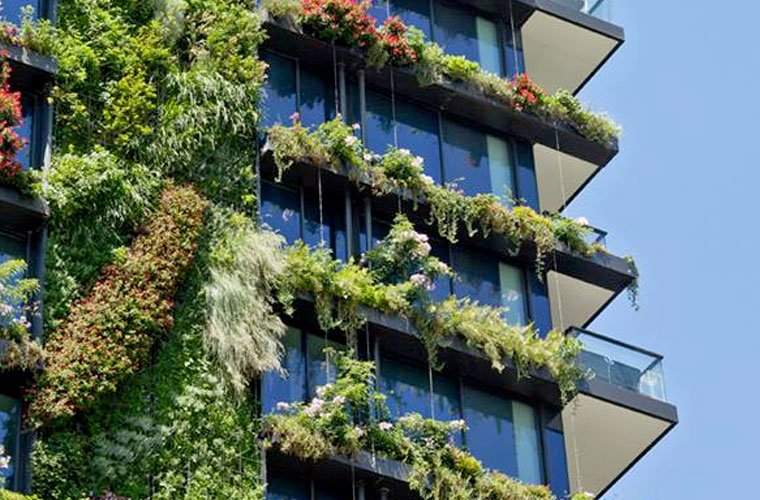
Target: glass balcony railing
596, 236
622, 365
601, 9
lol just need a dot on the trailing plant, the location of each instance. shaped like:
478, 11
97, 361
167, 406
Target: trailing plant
243, 331
350, 415
18, 351
37, 35
397, 277
108, 334
633, 288
348, 23
333, 145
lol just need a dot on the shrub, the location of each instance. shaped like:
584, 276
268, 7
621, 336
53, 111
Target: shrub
342, 21
109, 333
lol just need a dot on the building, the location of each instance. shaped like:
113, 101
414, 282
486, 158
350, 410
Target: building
23, 221
518, 426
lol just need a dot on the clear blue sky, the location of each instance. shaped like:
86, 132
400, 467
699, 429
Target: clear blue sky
683, 197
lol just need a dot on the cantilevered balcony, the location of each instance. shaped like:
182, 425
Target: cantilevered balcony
623, 406
565, 42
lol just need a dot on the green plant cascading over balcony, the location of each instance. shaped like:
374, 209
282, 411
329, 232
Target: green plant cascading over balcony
347, 23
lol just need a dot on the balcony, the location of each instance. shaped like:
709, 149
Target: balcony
623, 404
565, 42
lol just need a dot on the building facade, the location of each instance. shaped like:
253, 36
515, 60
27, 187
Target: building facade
515, 425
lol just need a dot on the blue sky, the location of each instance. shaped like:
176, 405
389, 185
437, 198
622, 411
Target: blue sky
682, 197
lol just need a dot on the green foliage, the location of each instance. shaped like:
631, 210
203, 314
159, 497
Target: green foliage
398, 171
113, 197
460, 68
207, 135
350, 415
37, 35
173, 431
17, 350
243, 331
566, 108
283, 9
9, 495
633, 288
108, 335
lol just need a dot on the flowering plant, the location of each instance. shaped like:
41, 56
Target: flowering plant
394, 40
10, 142
528, 96
342, 21
16, 292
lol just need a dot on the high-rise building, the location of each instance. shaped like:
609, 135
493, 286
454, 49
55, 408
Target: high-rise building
470, 142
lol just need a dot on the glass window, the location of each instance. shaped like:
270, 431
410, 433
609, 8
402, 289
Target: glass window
512, 284
473, 37
25, 131
478, 162
322, 369
317, 97
477, 276
11, 9
407, 388
416, 130
280, 100
527, 443
11, 248
288, 488
333, 227
10, 424
290, 385
556, 456
281, 210
379, 10
490, 434
414, 13
503, 434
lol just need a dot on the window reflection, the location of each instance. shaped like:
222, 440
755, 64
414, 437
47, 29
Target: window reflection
281, 210
10, 414
11, 9
25, 131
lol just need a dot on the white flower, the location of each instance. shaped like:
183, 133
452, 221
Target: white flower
322, 390
368, 157
314, 407
359, 432
5, 460
405, 152
421, 280
582, 221
385, 426
427, 179
283, 406
356, 126
458, 425
351, 140
339, 400
417, 162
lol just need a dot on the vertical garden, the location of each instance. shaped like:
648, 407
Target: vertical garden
165, 299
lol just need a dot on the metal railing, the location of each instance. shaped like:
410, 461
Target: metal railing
621, 364
601, 9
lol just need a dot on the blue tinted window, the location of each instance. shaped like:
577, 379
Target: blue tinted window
322, 369
478, 162
515, 57
11, 248
280, 100
477, 276
281, 210
25, 131
11, 9
10, 415
490, 434
317, 99
459, 32
443, 283
288, 488
289, 386
416, 130
379, 10
407, 388
513, 294
414, 13
556, 458
333, 227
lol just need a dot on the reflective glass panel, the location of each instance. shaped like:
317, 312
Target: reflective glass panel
25, 131
512, 284
290, 386
333, 223
321, 367
280, 100
461, 33
10, 415
477, 276
11, 9
281, 210
317, 103
414, 13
